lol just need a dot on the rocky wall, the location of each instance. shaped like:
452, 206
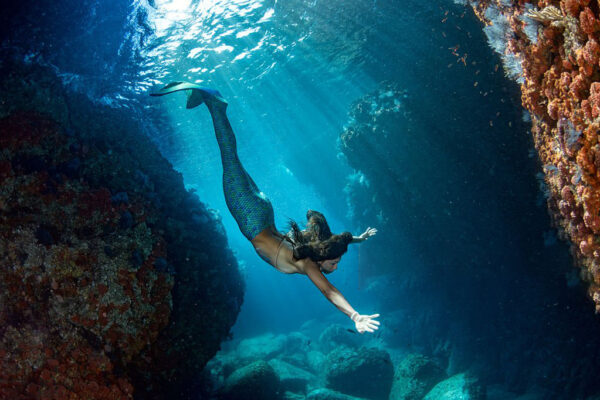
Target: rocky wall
551, 48
115, 282
449, 174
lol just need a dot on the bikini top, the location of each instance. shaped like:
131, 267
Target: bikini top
278, 250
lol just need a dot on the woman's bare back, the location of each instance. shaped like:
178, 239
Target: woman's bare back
277, 251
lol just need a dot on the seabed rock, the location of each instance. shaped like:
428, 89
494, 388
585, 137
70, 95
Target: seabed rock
328, 394
415, 376
457, 387
257, 381
367, 372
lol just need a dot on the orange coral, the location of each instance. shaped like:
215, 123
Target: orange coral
562, 93
588, 21
594, 99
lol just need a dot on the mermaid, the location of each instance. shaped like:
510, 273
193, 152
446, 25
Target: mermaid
313, 252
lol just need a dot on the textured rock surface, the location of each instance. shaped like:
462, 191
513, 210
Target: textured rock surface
337, 335
328, 394
292, 378
457, 387
255, 381
108, 267
367, 372
552, 49
414, 377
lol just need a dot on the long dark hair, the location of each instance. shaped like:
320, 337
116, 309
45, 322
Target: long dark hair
316, 241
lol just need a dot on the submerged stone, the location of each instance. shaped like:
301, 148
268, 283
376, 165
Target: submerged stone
414, 377
328, 394
457, 387
367, 372
257, 381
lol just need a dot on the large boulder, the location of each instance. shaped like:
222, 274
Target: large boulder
297, 348
317, 361
335, 335
109, 268
457, 387
414, 377
257, 381
289, 354
366, 372
291, 377
263, 347
328, 394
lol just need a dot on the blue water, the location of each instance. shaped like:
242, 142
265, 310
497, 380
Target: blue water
463, 255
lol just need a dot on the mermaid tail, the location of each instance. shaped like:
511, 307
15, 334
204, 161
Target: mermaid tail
196, 95
250, 207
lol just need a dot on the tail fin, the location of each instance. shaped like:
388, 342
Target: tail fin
196, 95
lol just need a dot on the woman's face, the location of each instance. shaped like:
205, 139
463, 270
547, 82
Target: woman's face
330, 265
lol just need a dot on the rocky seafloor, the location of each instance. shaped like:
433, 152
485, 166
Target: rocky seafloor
115, 281
324, 360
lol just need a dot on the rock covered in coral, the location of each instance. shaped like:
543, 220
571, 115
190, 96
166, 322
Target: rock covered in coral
367, 372
71, 286
106, 279
557, 52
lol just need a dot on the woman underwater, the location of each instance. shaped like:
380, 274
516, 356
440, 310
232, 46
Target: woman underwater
311, 252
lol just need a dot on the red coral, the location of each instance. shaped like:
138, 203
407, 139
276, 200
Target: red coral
591, 52
578, 87
553, 109
588, 21
571, 7
594, 99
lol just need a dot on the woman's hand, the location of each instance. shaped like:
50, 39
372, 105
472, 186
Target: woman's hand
368, 233
365, 323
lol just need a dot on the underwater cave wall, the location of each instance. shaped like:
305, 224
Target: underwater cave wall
115, 282
445, 173
551, 48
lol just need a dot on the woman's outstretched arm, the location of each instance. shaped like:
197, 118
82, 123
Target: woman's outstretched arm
364, 323
364, 236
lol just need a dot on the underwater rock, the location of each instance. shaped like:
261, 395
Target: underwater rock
336, 335
264, 347
316, 360
292, 378
256, 381
328, 394
557, 49
88, 311
299, 368
457, 387
415, 376
367, 372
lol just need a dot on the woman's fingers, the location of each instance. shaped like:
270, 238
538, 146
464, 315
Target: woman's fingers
373, 316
